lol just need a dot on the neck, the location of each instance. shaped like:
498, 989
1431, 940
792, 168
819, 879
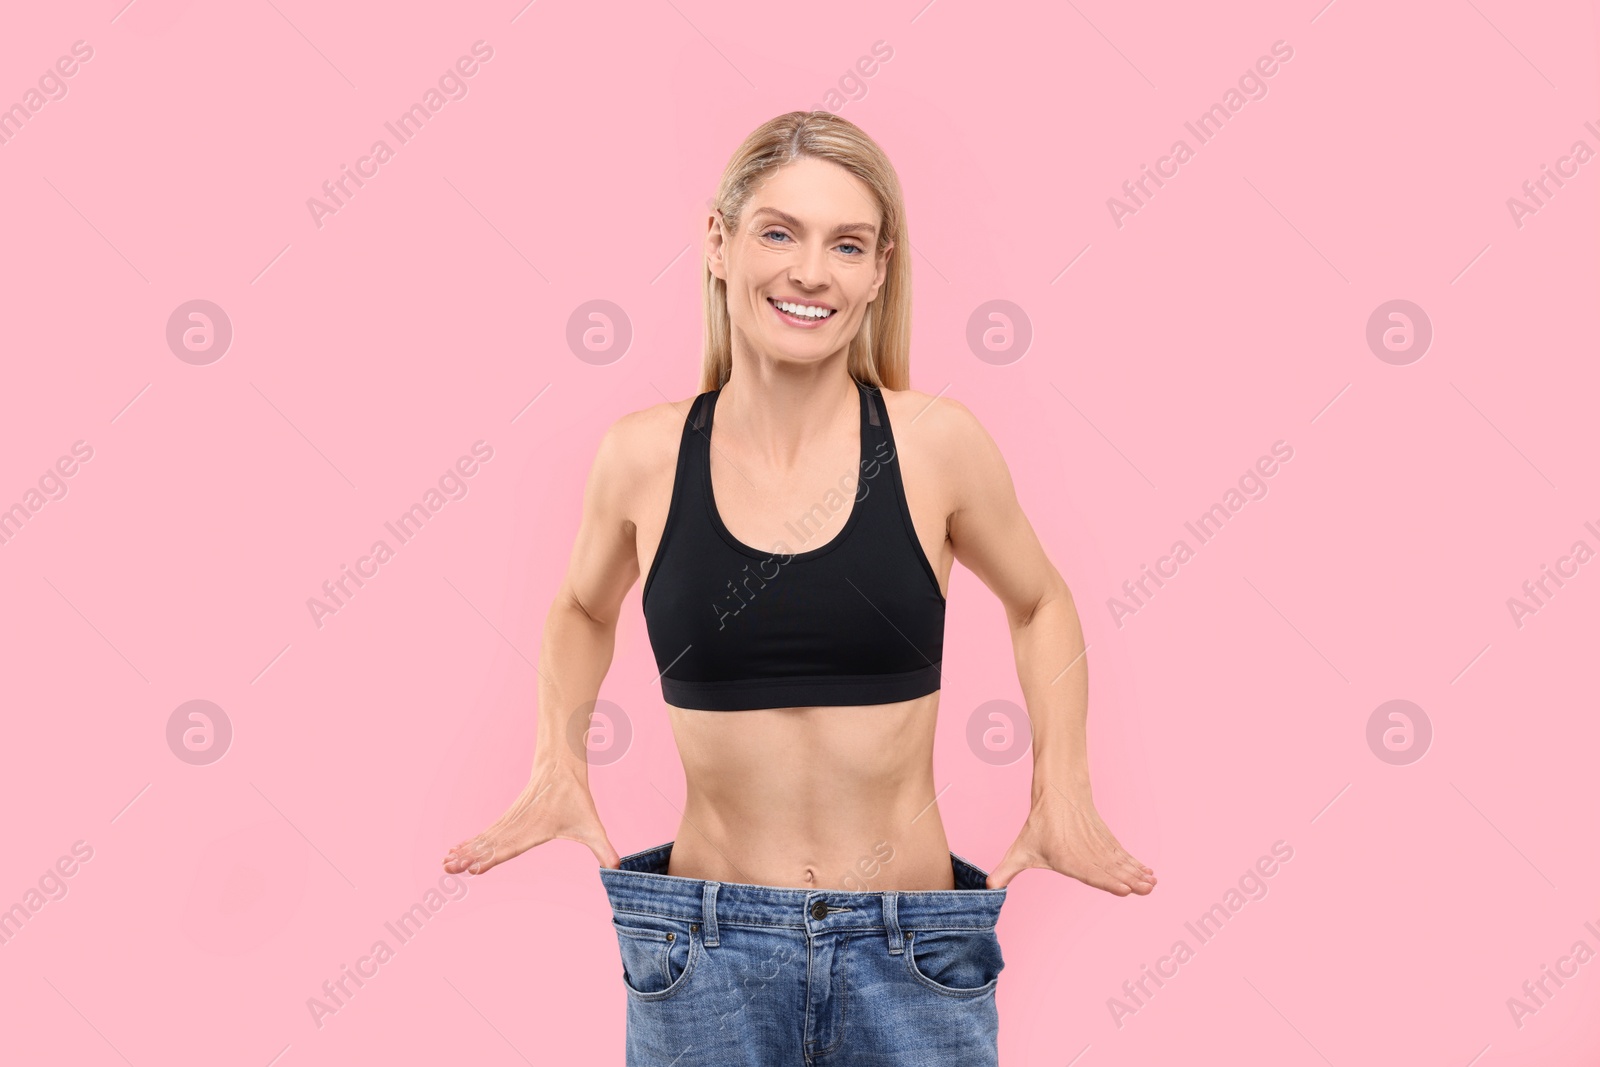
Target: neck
783, 416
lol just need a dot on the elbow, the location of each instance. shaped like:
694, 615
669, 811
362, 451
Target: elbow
569, 601
1056, 592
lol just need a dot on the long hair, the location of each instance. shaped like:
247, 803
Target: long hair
880, 352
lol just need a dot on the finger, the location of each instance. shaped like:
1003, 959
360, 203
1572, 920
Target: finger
482, 855
515, 814
1127, 857
1136, 883
1135, 877
1112, 875
457, 864
1130, 870
490, 832
458, 850
1101, 879
459, 856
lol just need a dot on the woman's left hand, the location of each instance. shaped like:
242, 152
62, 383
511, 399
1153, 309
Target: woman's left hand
1065, 834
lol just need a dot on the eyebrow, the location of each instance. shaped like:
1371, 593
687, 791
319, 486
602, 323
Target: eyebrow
789, 220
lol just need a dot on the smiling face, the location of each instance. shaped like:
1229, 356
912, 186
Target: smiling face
803, 266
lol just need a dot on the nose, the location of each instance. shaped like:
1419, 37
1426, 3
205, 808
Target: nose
810, 269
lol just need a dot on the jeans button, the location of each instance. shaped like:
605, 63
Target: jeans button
819, 910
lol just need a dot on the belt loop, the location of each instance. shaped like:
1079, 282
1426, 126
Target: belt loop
708, 913
891, 920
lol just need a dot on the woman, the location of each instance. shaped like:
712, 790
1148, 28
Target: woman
809, 909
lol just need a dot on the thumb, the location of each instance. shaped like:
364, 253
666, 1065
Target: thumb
600, 845
1013, 864
592, 836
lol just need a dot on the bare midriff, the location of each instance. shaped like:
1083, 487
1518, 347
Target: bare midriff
812, 798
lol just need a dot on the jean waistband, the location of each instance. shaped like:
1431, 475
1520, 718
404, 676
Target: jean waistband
642, 885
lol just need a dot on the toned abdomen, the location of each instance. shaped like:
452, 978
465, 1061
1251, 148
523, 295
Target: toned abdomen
814, 798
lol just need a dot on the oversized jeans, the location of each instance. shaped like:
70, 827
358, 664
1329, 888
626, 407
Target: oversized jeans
724, 974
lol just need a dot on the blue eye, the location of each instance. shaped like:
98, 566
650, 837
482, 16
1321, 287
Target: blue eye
859, 251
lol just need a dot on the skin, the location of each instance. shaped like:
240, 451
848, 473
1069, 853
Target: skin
815, 797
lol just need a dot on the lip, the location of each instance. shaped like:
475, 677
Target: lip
801, 324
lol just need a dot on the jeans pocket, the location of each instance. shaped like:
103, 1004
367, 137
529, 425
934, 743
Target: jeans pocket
955, 962
658, 953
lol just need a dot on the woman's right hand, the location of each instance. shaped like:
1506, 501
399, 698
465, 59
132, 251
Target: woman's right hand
555, 803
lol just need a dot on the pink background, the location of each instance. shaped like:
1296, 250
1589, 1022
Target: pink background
433, 308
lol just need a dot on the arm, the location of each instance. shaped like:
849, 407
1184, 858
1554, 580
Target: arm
581, 628
575, 652
992, 537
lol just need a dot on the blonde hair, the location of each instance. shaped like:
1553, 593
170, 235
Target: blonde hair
880, 353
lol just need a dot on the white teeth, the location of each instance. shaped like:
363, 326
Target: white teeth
801, 311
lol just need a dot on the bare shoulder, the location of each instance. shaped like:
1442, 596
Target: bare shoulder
638, 448
940, 427
650, 430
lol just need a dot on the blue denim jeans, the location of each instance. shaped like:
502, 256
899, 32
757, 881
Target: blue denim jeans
724, 974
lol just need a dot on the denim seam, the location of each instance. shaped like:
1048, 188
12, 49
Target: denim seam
721, 922
844, 995
708, 914
639, 932
975, 993
654, 915
830, 929
674, 988
914, 894
862, 894
934, 927
805, 1022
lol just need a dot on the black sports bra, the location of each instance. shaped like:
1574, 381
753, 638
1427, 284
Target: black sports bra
857, 620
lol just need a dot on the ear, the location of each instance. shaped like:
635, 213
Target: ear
883, 271
716, 243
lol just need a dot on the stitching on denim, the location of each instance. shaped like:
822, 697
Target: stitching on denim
639, 932
858, 895
805, 1023
844, 993
756, 924
913, 894
721, 922
674, 988
975, 993
654, 915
